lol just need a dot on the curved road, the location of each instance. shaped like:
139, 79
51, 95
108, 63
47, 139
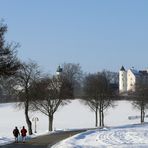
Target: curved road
44, 141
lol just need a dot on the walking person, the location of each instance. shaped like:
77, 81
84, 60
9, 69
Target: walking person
23, 134
16, 133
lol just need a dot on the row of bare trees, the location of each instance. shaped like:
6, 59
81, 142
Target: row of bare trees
44, 93
99, 94
47, 93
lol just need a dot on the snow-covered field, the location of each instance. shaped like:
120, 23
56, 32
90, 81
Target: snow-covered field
73, 116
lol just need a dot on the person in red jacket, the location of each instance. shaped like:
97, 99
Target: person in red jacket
23, 133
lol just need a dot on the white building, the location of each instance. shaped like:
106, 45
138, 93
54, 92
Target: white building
128, 79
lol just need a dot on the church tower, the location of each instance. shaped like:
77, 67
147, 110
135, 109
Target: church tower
122, 80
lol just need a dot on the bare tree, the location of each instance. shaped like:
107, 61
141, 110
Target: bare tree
49, 94
98, 95
28, 73
74, 74
140, 98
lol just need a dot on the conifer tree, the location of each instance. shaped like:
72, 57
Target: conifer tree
9, 63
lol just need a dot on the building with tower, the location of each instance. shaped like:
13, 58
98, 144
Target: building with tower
129, 78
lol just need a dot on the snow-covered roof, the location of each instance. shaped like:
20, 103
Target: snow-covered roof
135, 72
139, 73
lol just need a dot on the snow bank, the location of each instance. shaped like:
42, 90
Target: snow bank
133, 136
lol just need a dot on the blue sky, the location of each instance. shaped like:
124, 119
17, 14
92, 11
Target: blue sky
98, 34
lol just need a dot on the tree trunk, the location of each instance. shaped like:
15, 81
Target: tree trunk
100, 116
102, 113
29, 124
50, 117
142, 113
96, 114
143, 116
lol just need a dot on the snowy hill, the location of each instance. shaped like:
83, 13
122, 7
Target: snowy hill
130, 136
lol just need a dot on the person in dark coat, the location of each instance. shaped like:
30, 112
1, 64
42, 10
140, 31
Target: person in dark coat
16, 133
23, 134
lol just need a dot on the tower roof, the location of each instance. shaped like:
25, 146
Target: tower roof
122, 68
59, 69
